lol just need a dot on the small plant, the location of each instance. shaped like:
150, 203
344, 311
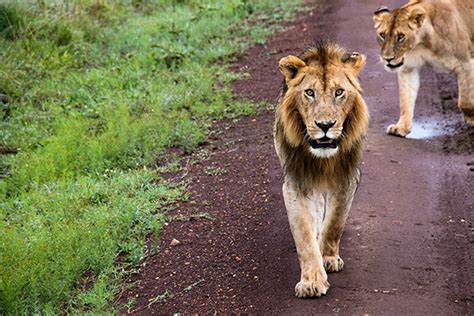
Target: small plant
230, 143
214, 171
190, 287
200, 156
130, 304
170, 166
11, 21
161, 298
197, 216
63, 36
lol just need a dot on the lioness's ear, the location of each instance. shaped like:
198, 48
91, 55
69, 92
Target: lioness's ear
289, 66
379, 15
355, 60
417, 17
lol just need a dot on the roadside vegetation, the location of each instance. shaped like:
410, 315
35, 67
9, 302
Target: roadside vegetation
91, 94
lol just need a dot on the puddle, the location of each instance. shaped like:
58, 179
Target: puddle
429, 129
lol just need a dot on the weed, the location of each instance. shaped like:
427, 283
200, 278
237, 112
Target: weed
197, 216
171, 166
161, 298
214, 171
11, 21
129, 305
230, 143
202, 155
190, 287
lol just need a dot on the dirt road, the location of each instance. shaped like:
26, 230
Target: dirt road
408, 244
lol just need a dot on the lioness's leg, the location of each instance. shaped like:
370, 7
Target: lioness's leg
408, 84
339, 203
305, 216
465, 74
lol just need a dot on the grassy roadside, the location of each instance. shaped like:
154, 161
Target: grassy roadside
91, 93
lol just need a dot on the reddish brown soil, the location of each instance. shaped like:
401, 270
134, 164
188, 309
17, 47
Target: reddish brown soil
407, 245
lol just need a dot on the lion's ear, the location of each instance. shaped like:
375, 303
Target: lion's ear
355, 60
379, 15
289, 66
417, 17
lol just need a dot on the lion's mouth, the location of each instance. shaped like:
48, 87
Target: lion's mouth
324, 142
389, 65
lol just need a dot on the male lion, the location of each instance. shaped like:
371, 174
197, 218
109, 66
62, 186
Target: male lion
321, 121
427, 32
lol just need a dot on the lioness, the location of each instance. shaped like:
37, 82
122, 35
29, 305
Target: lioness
427, 32
321, 121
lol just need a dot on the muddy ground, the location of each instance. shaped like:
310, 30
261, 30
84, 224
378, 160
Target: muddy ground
408, 242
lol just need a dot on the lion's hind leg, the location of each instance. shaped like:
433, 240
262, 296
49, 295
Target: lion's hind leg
305, 214
338, 205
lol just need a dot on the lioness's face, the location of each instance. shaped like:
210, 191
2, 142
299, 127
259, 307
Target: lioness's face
397, 33
324, 96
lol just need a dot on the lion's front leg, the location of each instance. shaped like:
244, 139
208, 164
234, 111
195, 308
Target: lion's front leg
305, 214
339, 203
408, 84
465, 74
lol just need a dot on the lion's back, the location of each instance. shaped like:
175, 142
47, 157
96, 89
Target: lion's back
453, 18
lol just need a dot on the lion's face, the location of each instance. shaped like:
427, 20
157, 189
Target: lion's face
323, 106
398, 32
323, 96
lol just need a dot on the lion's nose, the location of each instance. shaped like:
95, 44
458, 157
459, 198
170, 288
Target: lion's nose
388, 60
325, 126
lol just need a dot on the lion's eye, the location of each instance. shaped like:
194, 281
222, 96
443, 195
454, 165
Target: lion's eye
339, 92
309, 92
400, 38
382, 36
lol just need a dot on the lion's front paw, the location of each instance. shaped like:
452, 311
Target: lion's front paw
305, 289
469, 120
333, 263
397, 130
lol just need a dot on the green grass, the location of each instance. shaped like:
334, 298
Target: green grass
91, 94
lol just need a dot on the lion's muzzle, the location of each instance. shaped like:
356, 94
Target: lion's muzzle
392, 66
324, 142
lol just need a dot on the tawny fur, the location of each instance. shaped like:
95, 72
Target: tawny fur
318, 191
436, 33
